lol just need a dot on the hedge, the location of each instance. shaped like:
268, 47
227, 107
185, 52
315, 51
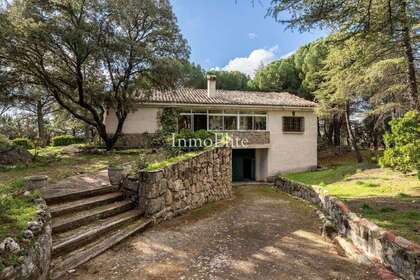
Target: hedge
23, 142
65, 140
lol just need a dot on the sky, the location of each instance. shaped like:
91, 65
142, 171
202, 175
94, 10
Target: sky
235, 35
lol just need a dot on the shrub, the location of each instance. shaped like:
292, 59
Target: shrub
140, 163
65, 140
4, 139
168, 118
402, 144
23, 142
158, 140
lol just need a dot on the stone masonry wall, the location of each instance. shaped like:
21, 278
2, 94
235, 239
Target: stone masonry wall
253, 137
135, 140
395, 252
32, 251
185, 185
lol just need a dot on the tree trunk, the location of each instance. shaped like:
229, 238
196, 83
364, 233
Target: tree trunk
318, 128
110, 140
87, 133
337, 130
42, 135
351, 135
409, 56
330, 132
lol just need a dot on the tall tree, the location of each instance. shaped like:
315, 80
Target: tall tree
94, 56
38, 104
280, 75
391, 21
193, 76
230, 80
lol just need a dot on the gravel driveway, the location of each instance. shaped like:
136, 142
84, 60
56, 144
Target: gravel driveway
261, 234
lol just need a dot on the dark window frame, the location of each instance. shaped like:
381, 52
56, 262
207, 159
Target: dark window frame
293, 124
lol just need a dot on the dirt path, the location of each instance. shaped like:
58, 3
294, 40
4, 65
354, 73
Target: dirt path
261, 234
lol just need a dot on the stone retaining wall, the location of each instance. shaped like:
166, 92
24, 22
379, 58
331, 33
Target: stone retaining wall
182, 186
32, 251
253, 137
135, 140
395, 252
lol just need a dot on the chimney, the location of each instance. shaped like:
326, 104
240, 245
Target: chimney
211, 85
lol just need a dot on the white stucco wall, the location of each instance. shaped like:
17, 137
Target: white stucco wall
140, 121
291, 151
261, 164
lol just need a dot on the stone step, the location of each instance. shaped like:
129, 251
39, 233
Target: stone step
75, 194
83, 204
74, 239
65, 263
74, 220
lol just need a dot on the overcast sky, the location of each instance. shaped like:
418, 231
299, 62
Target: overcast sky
234, 35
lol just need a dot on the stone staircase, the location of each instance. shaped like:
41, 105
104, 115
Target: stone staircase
88, 221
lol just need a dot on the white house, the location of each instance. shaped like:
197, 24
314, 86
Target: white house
280, 128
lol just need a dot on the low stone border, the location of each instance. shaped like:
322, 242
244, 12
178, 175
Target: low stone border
33, 251
395, 252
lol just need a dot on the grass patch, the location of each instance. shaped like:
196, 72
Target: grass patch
404, 222
396, 196
348, 181
51, 161
328, 175
15, 210
164, 163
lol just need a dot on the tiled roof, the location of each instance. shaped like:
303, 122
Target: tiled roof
226, 97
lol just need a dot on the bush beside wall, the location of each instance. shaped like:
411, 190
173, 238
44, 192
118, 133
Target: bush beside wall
65, 140
395, 252
23, 142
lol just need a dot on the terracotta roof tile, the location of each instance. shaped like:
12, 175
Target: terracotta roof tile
226, 97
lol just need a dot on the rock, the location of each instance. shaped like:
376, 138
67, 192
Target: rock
35, 227
27, 194
168, 198
9, 245
8, 273
35, 182
155, 205
11, 154
27, 234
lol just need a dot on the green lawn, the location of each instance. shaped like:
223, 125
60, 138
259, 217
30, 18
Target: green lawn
57, 165
388, 198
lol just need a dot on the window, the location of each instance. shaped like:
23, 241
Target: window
231, 123
222, 120
184, 121
246, 123
215, 122
293, 124
260, 123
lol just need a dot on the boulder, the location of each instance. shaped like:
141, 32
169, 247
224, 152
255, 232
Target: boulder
12, 154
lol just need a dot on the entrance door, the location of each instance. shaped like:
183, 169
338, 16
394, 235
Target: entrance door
243, 165
200, 122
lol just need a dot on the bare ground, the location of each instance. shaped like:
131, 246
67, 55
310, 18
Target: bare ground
261, 234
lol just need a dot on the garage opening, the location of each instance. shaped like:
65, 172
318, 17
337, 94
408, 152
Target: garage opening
243, 165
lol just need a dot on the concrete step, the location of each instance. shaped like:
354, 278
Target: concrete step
74, 239
74, 220
84, 204
75, 194
65, 263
